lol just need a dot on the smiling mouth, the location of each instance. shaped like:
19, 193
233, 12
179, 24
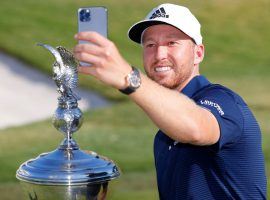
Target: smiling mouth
162, 69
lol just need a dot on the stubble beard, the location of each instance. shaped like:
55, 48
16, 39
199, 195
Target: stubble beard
177, 82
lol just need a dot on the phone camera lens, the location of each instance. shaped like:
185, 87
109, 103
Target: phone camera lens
85, 15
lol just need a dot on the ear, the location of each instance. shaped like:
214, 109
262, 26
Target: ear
198, 54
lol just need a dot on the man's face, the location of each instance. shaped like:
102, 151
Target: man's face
168, 56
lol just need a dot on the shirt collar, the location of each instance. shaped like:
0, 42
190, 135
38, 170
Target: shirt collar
195, 85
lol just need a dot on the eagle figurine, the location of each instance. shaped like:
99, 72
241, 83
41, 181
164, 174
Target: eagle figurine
65, 73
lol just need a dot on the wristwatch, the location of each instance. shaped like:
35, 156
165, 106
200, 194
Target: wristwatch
134, 81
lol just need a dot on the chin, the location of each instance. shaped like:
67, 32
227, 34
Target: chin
167, 84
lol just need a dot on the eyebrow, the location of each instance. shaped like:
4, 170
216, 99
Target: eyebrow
171, 36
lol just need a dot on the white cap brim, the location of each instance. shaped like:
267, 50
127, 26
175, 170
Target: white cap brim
135, 32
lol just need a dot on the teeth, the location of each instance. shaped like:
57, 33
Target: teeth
162, 69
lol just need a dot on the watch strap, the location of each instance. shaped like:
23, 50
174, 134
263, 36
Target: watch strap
127, 90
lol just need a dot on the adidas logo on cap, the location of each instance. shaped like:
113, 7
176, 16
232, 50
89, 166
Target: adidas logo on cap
159, 13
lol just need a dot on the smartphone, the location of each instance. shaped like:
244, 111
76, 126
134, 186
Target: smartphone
93, 19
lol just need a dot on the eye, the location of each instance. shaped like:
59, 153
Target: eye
172, 43
149, 45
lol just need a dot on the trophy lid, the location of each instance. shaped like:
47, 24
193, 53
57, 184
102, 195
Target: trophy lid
68, 167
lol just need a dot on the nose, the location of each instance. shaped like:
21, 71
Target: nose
161, 52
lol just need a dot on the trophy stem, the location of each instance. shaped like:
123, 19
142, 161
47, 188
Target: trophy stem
68, 144
69, 135
68, 139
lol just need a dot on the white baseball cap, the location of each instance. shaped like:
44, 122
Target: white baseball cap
171, 14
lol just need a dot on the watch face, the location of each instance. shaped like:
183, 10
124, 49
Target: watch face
135, 79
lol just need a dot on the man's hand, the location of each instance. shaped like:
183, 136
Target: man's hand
107, 64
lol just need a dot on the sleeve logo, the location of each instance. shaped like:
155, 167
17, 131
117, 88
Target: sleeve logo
212, 104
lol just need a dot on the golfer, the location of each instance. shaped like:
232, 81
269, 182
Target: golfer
209, 144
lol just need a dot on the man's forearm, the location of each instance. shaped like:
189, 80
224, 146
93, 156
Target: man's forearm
175, 114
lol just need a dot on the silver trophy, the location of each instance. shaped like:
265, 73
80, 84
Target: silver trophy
66, 173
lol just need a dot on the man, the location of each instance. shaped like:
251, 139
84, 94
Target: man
209, 143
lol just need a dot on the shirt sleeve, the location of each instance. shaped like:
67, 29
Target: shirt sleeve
228, 114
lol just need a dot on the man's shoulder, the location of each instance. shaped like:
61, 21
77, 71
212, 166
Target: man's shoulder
218, 91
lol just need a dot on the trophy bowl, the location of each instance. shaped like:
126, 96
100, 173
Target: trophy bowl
79, 192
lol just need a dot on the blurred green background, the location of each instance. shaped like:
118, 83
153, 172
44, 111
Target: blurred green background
236, 37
